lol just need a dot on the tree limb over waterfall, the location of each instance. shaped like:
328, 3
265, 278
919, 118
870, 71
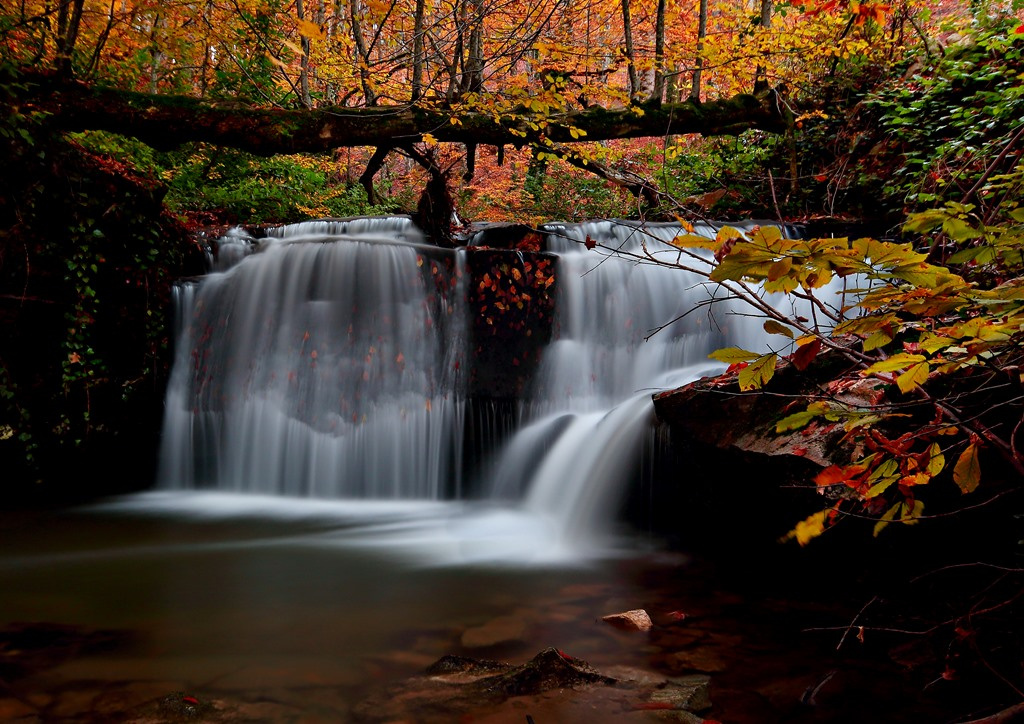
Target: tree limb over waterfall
169, 121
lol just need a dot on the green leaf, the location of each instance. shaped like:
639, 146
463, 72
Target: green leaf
910, 514
959, 230
880, 487
886, 519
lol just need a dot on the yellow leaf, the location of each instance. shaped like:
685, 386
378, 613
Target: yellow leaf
936, 460
731, 355
895, 362
780, 268
773, 327
429, 139
967, 471
914, 377
277, 61
877, 339
756, 375
310, 30
808, 529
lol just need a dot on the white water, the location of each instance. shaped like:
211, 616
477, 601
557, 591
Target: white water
320, 367
329, 365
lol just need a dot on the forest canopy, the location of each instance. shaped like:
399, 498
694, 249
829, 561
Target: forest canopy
532, 84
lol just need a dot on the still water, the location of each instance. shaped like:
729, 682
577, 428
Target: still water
307, 603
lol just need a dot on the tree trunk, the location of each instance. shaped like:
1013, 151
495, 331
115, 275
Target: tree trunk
627, 29
658, 86
702, 32
473, 72
760, 81
69, 20
369, 95
417, 50
307, 101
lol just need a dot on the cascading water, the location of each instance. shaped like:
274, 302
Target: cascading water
590, 413
331, 364
326, 365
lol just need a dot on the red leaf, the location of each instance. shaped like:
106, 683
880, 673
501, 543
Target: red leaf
803, 356
589, 243
190, 700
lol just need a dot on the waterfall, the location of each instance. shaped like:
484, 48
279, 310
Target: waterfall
329, 360
326, 365
589, 415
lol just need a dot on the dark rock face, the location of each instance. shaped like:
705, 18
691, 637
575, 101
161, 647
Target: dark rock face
731, 482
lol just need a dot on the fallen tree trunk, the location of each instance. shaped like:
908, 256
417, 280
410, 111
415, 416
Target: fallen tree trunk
169, 121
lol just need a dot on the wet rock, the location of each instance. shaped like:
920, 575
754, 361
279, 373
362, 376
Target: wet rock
688, 693
552, 686
181, 707
635, 620
451, 664
550, 669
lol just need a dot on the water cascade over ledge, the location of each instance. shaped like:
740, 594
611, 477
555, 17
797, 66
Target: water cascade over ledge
338, 361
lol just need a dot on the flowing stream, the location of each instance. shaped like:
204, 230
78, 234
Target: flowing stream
316, 523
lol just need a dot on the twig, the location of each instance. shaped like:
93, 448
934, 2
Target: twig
854, 622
